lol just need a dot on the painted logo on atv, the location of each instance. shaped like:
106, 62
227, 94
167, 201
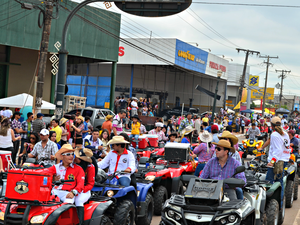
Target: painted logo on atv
124, 160
21, 187
204, 189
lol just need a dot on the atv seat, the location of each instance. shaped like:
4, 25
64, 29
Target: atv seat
231, 193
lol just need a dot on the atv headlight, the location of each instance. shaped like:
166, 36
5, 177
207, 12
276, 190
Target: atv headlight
257, 145
1, 215
39, 218
245, 145
151, 178
231, 218
110, 193
177, 217
223, 221
171, 213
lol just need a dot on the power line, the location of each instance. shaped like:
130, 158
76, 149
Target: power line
17, 19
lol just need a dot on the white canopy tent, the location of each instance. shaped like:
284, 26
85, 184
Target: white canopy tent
22, 100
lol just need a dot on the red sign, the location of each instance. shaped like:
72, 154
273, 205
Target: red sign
121, 51
216, 66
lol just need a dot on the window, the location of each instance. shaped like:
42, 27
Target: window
87, 113
107, 112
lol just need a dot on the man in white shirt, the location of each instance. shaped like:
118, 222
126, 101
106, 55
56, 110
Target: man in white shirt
134, 106
6, 112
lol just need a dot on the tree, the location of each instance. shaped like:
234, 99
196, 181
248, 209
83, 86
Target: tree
252, 106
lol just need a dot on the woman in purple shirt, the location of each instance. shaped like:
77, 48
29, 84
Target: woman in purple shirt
204, 151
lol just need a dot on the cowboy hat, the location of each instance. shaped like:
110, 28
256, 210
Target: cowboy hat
84, 154
187, 130
206, 136
64, 148
117, 140
81, 118
159, 124
224, 144
135, 116
62, 121
227, 134
108, 117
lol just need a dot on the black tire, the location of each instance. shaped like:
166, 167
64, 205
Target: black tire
263, 219
125, 213
296, 187
244, 155
289, 193
146, 220
105, 221
180, 188
272, 212
160, 196
282, 212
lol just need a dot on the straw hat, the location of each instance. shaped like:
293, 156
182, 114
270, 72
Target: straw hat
159, 124
227, 134
62, 121
117, 140
108, 117
276, 121
64, 148
224, 144
81, 118
206, 137
84, 154
187, 130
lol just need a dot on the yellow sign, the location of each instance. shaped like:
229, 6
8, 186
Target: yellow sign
106, 105
230, 105
186, 55
228, 101
259, 93
238, 106
253, 81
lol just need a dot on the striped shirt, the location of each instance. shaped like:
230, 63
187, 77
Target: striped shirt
117, 123
25, 128
213, 170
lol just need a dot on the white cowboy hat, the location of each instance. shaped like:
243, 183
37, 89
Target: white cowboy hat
206, 137
64, 148
117, 140
187, 130
159, 124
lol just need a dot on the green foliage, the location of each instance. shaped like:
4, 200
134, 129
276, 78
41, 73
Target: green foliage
252, 106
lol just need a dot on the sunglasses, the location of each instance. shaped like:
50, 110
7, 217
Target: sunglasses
68, 154
32, 138
218, 149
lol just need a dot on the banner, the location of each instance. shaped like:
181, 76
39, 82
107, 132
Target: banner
253, 81
244, 95
238, 106
259, 93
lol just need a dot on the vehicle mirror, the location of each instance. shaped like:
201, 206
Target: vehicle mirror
239, 169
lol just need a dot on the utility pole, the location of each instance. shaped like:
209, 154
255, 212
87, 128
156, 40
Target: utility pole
244, 70
266, 81
37, 102
282, 76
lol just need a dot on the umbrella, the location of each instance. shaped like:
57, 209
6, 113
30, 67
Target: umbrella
282, 110
247, 111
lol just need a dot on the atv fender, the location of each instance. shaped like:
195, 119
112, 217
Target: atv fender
274, 192
175, 183
263, 202
99, 212
144, 188
53, 217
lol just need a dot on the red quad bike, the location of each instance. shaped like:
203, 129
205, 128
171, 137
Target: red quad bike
166, 174
26, 199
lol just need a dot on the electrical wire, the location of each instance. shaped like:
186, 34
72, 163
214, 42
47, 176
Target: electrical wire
21, 12
247, 4
17, 19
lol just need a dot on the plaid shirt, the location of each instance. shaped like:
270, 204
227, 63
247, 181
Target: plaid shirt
40, 152
184, 123
16, 124
201, 151
25, 128
213, 170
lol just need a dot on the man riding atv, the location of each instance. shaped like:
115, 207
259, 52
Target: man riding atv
223, 166
253, 131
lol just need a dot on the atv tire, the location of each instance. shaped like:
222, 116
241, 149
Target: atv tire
146, 220
105, 221
289, 193
282, 212
180, 188
272, 212
263, 219
160, 196
244, 155
125, 213
296, 187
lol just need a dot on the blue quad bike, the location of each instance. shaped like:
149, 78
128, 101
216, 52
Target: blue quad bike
134, 204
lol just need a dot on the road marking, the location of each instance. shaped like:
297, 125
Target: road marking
297, 218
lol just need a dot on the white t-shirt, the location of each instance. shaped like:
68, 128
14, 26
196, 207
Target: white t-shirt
134, 105
279, 147
283, 121
7, 113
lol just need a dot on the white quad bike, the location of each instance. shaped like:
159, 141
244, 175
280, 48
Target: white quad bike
207, 202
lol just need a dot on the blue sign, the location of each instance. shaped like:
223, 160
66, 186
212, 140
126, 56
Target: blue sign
296, 106
190, 57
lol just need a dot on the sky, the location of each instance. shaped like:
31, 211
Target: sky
272, 31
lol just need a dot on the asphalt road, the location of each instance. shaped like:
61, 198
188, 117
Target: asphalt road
292, 215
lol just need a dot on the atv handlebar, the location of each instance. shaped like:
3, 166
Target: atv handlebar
57, 183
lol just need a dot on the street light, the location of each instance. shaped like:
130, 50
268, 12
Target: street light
219, 74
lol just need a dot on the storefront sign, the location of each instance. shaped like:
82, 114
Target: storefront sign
259, 93
216, 66
190, 57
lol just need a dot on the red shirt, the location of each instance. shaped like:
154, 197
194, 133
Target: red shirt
73, 172
89, 178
